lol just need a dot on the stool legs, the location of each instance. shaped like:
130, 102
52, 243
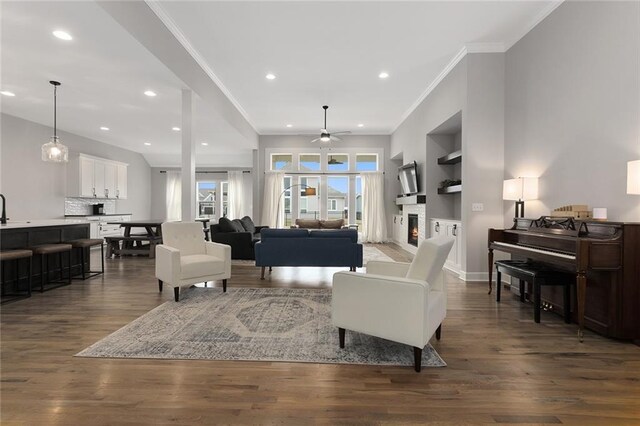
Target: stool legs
498, 284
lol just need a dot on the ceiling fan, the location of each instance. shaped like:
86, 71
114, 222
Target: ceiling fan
325, 136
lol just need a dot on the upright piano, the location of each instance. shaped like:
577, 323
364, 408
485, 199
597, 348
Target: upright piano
604, 256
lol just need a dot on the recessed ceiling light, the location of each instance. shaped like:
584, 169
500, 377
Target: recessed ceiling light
360, 125
7, 93
289, 125
204, 144
104, 128
270, 76
150, 93
62, 35
147, 143
383, 75
175, 129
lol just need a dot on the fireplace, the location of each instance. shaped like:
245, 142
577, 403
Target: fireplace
412, 229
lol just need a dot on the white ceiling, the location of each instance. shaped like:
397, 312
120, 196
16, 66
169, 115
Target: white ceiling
104, 72
332, 52
321, 52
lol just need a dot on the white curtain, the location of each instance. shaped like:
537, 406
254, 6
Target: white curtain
236, 209
374, 223
273, 187
174, 196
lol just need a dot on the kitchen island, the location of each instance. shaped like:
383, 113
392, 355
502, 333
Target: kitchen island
29, 233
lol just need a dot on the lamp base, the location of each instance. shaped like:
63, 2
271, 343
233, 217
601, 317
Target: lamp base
519, 209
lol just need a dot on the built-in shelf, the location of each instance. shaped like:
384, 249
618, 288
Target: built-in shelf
453, 189
411, 199
451, 158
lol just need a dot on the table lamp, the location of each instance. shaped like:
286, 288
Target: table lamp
633, 177
520, 190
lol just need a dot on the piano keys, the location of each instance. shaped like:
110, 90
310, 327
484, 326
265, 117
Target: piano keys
604, 256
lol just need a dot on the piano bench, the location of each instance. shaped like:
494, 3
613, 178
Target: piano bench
538, 274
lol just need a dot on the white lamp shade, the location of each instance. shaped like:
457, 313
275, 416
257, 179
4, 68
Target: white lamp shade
520, 189
633, 177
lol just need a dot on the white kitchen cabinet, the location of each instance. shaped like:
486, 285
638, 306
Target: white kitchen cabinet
450, 228
121, 182
93, 177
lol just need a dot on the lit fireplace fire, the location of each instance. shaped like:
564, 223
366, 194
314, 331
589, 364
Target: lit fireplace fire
412, 229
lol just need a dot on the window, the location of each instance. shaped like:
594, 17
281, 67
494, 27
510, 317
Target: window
206, 199
309, 162
366, 162
338, 162
309, 205
337, 197
281, 161
225, 198
287, 201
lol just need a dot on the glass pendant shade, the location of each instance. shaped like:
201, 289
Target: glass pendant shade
54, 151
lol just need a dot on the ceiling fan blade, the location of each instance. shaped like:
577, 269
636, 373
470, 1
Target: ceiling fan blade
335, 139
315, 140
344, 132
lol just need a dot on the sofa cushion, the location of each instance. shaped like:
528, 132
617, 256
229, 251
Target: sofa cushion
331, 224
351, 234
237, 225
226, 225
308, 223
248, 224
283, 233
200, 265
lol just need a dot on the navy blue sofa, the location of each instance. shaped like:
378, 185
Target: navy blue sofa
303, 247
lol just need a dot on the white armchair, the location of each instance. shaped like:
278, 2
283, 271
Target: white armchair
401, 302
185, 258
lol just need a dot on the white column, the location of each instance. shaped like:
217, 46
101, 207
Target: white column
188, 159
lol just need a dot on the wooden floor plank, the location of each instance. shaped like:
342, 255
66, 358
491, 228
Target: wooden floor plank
502, 367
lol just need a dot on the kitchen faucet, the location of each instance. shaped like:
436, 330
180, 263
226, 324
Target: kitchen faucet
3, 219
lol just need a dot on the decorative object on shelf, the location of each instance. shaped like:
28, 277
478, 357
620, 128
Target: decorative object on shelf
576, 211
325, 136
633, 177
600, 213
450, 186
308, 191
450, 182
54, 151
520, 190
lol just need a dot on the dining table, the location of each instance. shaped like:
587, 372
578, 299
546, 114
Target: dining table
134, 240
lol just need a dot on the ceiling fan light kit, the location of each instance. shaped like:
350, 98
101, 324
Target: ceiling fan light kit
325, 136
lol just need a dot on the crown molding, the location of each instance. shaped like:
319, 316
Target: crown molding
535, 21
497, 47
162, 14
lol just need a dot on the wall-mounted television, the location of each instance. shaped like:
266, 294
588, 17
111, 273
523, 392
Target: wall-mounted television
408, 176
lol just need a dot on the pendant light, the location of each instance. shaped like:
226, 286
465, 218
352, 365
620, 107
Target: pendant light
54, 151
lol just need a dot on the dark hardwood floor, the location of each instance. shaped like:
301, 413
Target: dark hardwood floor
502, 367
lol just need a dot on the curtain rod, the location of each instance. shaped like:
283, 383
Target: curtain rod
211, 171
324, 173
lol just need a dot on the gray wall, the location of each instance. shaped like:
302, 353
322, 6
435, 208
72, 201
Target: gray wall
36, 189
283, 142
573, 108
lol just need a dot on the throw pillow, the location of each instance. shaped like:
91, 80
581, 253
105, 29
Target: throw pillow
226, 225
331, 224
248, 224
237, 225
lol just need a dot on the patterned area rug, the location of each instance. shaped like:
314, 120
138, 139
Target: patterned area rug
251, 324
369, 252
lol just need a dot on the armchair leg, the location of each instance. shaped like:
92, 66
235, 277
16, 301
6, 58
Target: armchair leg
270, 269
224, 285
438, 332
341, 335
417, 358
160, 285
262, 274
176, 293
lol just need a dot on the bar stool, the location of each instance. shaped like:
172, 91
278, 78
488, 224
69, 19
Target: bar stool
46, 250
15, 255
84, 244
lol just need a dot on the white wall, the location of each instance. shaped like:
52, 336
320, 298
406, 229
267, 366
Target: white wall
36, 189
573, 108
286, 142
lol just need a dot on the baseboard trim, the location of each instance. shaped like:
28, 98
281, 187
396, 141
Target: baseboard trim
474, 276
